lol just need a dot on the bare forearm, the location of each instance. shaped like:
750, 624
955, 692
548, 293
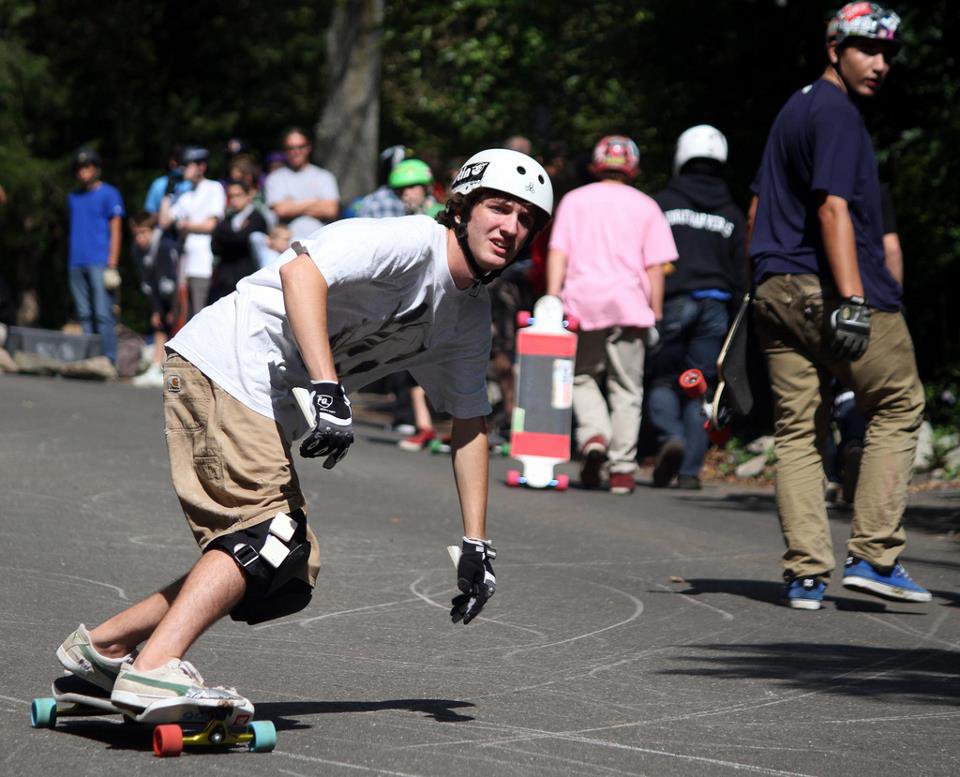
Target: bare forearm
468, 444
305, 300
893, 256
655, 274
165, 217
113, 257
325, 210
836, 229
556, 271
204, 227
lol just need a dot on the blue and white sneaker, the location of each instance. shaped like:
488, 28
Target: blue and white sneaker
896, 584
804, 593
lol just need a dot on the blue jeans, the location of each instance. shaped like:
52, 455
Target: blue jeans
94, 306
692, 333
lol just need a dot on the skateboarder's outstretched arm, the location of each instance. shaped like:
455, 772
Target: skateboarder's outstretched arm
475, 577
305, 301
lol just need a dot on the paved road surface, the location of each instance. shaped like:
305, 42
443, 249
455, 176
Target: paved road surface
630, 636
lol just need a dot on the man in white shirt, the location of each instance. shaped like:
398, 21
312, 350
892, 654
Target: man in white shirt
302, 195
360, 299
195, 214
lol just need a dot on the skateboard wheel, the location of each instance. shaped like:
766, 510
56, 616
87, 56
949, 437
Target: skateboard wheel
43, 713
167, 740
572, 323
505, 450
523, 318
563, 482
692, 383
513, 477
435, 446
264, 736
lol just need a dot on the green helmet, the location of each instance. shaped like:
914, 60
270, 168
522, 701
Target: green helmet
410, 172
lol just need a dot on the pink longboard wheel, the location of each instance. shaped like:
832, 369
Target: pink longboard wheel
523, 318
692, 383
563, 482
572, 323
513, 477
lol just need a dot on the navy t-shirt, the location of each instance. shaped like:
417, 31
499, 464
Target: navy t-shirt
819, 142
90, 215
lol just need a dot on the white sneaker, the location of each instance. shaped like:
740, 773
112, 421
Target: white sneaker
137, 689
152, 377
79, 656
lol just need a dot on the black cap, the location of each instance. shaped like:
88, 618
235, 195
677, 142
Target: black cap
86, 156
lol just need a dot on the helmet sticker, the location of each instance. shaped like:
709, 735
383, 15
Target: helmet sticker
470, 174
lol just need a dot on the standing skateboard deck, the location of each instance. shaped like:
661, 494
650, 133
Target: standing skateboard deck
211, 723
542, 416
733, 395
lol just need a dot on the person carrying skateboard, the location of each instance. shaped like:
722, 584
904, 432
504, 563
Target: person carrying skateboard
607, 250
356, 300
825, 304
709, 230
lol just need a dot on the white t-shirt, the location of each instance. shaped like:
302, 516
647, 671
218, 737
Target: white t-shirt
308, 183
206, 200
392, 306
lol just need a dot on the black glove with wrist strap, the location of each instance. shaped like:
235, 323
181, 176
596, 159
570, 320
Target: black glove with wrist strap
333, 433
850, 328
475, 578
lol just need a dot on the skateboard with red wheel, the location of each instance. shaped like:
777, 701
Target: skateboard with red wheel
542, 415
733, 396
200, 723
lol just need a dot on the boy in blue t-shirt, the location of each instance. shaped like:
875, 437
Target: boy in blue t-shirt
825, 304
96, 213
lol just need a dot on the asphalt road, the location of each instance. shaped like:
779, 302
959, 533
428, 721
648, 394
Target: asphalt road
629, 635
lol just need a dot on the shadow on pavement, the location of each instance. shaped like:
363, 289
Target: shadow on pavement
441, 710
769, 592
920, 676
121, 735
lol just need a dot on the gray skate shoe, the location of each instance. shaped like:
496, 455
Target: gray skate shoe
173, 683
78, 656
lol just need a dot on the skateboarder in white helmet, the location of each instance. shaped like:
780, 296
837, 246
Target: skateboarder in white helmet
825, 304
357, 300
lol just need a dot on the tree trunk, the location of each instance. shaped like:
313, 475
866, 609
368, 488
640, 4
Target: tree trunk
347, 134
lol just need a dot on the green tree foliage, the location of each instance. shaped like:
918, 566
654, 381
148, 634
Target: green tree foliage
135, 77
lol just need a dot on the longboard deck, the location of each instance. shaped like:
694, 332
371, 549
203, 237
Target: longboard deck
733, 395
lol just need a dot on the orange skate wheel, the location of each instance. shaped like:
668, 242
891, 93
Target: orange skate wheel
167, 740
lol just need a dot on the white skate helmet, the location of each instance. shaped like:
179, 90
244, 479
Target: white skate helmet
700, 142
510, 172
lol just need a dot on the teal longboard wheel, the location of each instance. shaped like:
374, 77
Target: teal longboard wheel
43, 713
264, 736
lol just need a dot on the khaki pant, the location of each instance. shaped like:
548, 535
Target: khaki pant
231, 467
619, 353
790, 317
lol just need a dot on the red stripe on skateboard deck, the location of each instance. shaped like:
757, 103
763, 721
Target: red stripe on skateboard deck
534, 344
551, 446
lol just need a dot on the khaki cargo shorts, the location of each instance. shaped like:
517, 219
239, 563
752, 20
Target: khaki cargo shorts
232, 467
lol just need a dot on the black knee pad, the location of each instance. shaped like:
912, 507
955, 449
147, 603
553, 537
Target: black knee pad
273, 556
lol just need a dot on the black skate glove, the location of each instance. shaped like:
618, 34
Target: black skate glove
850, 328
333, 434
475, 578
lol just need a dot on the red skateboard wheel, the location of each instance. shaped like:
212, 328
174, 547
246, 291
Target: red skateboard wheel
167, 740
693, 384
513, 477
523, 318
563, 482
572, 323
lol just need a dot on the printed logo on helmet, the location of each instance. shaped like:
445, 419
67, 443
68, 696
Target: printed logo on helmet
470, 174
